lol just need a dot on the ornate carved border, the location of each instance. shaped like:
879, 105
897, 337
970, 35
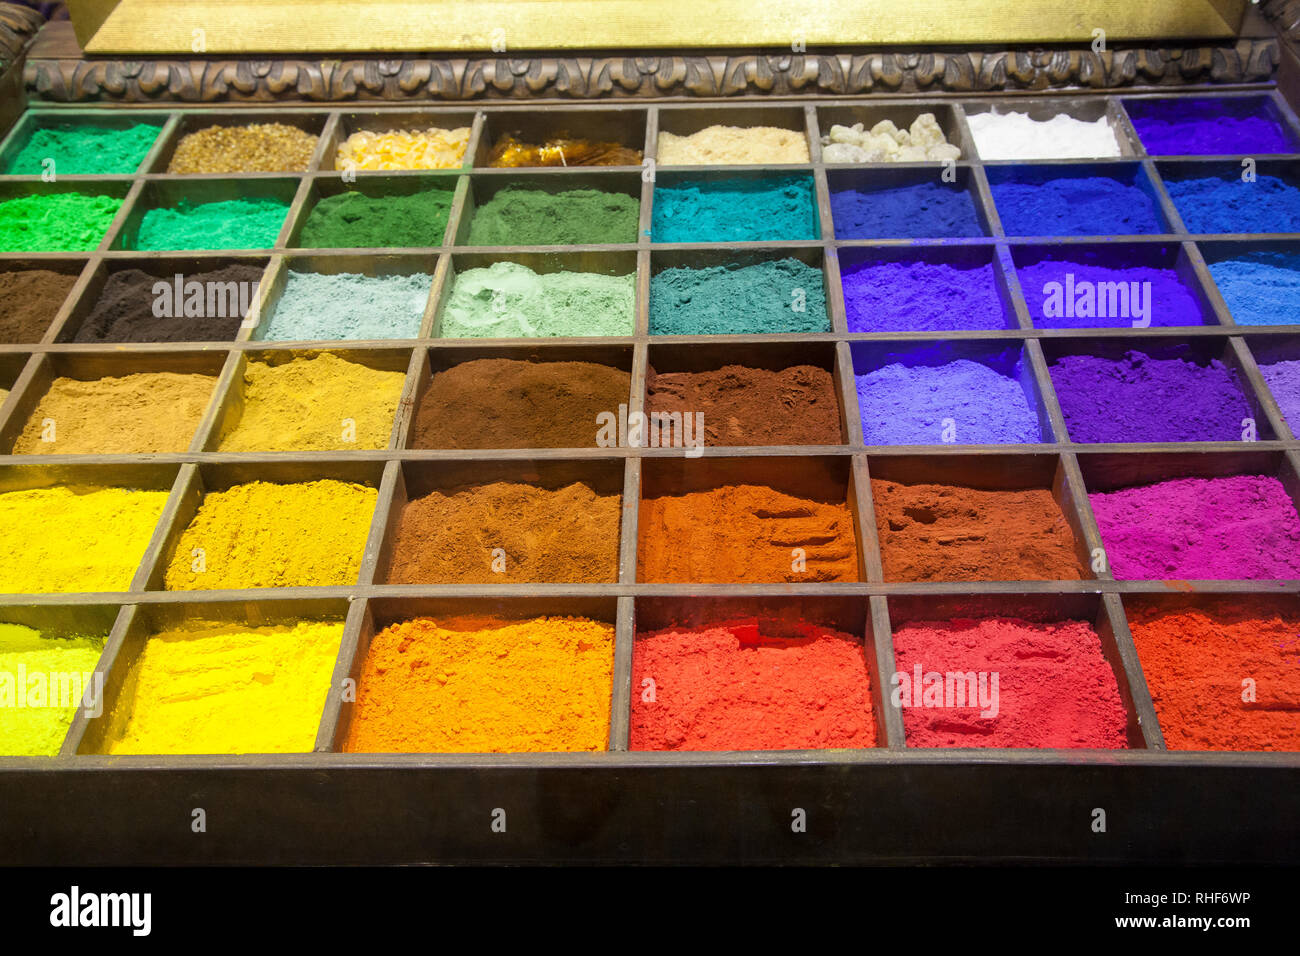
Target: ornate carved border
18, 24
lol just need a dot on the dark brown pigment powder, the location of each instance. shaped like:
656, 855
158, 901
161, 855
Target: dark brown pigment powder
950, 533
508, 403
29, 299
507, 533
125, 309
753, 406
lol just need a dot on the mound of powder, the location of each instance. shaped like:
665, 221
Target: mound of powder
951, 533
921, 295
353, 220
733, 145
266, 535
520, 216
1284, 382
124, 311
507, 403
751, 685
1243, 526
256, 148
74, 537
485, 686
929, 209
744, 533
1045, 203
736, 210
315, 403
508, 300
1260, 287
36, 728
507, 533
511, 153
1196, 659
886, 143
1054, 687
137, 414
226, 689
1138, 398
780, 295
229, 224
83, 150
430, 148
316, 306
1018, 136
1185, 126
29, 300
56, 222
960, 402
1069, 283
752, 406
1214, 204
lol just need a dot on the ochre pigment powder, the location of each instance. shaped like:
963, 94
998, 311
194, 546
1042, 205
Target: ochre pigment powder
318, 403
740, 533
950, 533
265, 535
505, 532
505, 403
485, 686
206, 688
143, 413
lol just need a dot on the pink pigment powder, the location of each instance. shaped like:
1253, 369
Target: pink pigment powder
1054, 687
1244, 526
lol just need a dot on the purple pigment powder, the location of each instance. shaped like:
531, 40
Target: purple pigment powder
1284, 382
1138, 398
921, 295
1093, 288
1240, 527
1230, 126
962, 402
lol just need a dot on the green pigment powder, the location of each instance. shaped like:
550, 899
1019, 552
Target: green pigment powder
29, 726
353, 220
56, 222
232, 224
533, 217
79, 150
507, 300
777, 296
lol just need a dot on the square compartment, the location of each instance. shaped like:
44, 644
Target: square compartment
905, 203
22, 322
619, 228
626, 127
1078, 199
1083, 109
689, 120
931, 289
431, 233
76, 242
193, 121
1259, 282
1213, 199
1241, 125
114, 123
734, 206
383, 121
170, 194
902, 116
1278, 360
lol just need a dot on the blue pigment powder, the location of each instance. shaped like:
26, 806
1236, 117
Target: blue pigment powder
735, 210
908, 405
783, 295
925, 294
1260, 287
318, 306
925, 210
1046, 203
1227, 204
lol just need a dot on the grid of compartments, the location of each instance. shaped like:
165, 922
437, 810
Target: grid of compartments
846, 507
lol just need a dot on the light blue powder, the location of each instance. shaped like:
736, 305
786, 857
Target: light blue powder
1260, 288
317, 307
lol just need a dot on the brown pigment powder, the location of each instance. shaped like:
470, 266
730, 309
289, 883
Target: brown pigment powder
124, 310
507, 403
950, 533
29, 300
741, 533
448, 537
144, 413
753, 406
257, 148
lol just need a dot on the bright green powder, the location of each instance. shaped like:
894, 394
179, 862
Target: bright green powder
353, 220
507, 300
230, 224
56, 222
47, 669
83, 150
534, 217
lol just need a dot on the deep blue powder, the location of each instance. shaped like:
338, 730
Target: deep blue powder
927, 210
1051, 204
1226, 204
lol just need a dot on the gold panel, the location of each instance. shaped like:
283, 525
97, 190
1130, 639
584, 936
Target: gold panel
181, 27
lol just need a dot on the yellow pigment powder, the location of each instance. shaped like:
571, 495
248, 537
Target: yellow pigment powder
43, 680
729, 145
226, 689
74, 538
265, 535
430, 148
322, 403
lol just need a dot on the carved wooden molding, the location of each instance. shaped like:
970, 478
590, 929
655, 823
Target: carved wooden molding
18, 24
1284, 15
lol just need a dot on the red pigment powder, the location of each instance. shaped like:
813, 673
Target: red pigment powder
1054, 687
1197, 659
735, 686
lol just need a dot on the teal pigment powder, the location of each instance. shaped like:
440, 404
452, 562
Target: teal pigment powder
783, 295
231, 224
735, 210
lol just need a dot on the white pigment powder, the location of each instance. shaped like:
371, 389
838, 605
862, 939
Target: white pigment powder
1016, 136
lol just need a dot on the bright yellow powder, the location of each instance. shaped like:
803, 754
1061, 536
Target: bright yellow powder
730, 145
52, 672
484, 686
226, 689
430, 148
265, 535
322, 403
74, 538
